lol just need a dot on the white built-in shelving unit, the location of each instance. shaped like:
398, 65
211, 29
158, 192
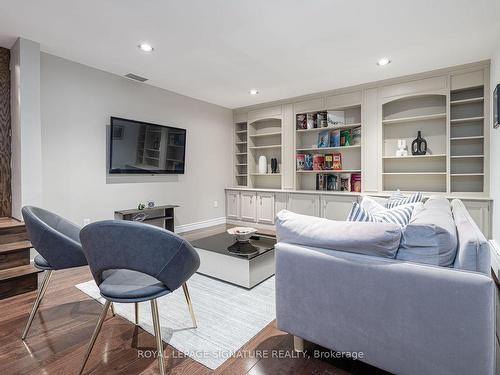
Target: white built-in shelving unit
306, 142
450, 107
265, 139
402, 118
241, 154
467, 151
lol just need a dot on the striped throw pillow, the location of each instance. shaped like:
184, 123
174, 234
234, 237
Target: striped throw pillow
397, 199
398, 215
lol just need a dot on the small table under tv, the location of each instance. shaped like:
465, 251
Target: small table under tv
160, 216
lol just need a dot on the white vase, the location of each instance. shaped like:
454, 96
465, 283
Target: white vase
262, 164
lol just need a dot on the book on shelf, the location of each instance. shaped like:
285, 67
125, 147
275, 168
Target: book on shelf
327, 182
335, 138
324, 139
337, 161
345, 137
311, 121
356, 136
335, 118
321, 120
318, 162
301, 120
329, 161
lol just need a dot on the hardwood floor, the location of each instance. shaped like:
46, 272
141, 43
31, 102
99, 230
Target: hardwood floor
62, 328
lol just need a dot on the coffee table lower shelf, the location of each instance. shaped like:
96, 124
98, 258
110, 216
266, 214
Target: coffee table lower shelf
240, 271
216, 259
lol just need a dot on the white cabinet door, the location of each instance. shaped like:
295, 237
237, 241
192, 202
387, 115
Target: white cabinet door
265, 208
248, 206
480, 213
336, 207
306, 204
233, 205
279, 202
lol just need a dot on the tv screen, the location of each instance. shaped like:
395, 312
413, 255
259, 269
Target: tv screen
141, 147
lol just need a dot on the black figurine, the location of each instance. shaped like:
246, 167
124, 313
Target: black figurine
419, 145
274, 165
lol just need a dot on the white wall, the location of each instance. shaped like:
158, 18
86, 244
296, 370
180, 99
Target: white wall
495, 150
76, 103
26, 127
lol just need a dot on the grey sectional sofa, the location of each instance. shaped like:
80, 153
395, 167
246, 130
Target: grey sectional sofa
405, 317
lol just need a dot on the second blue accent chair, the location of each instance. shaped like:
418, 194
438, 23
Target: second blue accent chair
133, 262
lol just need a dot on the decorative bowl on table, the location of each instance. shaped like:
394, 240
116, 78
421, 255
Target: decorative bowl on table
242, 234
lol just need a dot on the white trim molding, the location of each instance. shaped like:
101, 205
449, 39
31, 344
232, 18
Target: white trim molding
200, 225
495, 257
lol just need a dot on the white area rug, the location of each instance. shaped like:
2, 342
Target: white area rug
228, 316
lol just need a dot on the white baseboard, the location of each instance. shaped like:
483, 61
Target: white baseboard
200, 225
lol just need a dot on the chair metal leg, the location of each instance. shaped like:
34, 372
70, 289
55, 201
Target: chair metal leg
159, 343
94, 335
190, 305
39, 296
136, 313
112, 306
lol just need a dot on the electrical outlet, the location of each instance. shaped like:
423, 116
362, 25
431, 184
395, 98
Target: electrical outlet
216, 204
86, 221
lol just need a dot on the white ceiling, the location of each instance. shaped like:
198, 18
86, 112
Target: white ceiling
216, 50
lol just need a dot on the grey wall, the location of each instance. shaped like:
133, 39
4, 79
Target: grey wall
76, 103
495, 150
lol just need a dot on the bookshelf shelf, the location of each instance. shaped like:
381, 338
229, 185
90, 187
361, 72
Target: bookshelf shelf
317, 130
410, 157
467, 138
263, 147
467, 101
270, 134
414, 173
331, 171
327, 149
414, 118
266, 174
466, 119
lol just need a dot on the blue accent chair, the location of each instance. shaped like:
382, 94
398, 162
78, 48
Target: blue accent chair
58, 245
134, 262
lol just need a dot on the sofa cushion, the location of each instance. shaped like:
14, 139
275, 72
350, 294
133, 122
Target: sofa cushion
398, 215
473, 251
431, 235
397, 199
377, 239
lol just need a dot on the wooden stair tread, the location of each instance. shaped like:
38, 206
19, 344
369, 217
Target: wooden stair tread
13, 246
8, 222
11, 273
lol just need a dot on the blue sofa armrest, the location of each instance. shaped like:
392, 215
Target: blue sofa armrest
406, 318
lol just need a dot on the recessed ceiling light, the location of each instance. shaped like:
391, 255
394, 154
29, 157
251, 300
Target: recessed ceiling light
146, 47
254, 92
383, 61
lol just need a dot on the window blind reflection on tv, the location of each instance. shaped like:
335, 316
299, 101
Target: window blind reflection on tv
140, 147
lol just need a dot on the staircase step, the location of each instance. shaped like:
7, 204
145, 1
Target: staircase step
12, 230
14, 254
18, 280
14, 246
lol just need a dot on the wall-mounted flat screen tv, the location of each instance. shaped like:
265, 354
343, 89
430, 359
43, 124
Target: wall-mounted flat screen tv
141, 147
